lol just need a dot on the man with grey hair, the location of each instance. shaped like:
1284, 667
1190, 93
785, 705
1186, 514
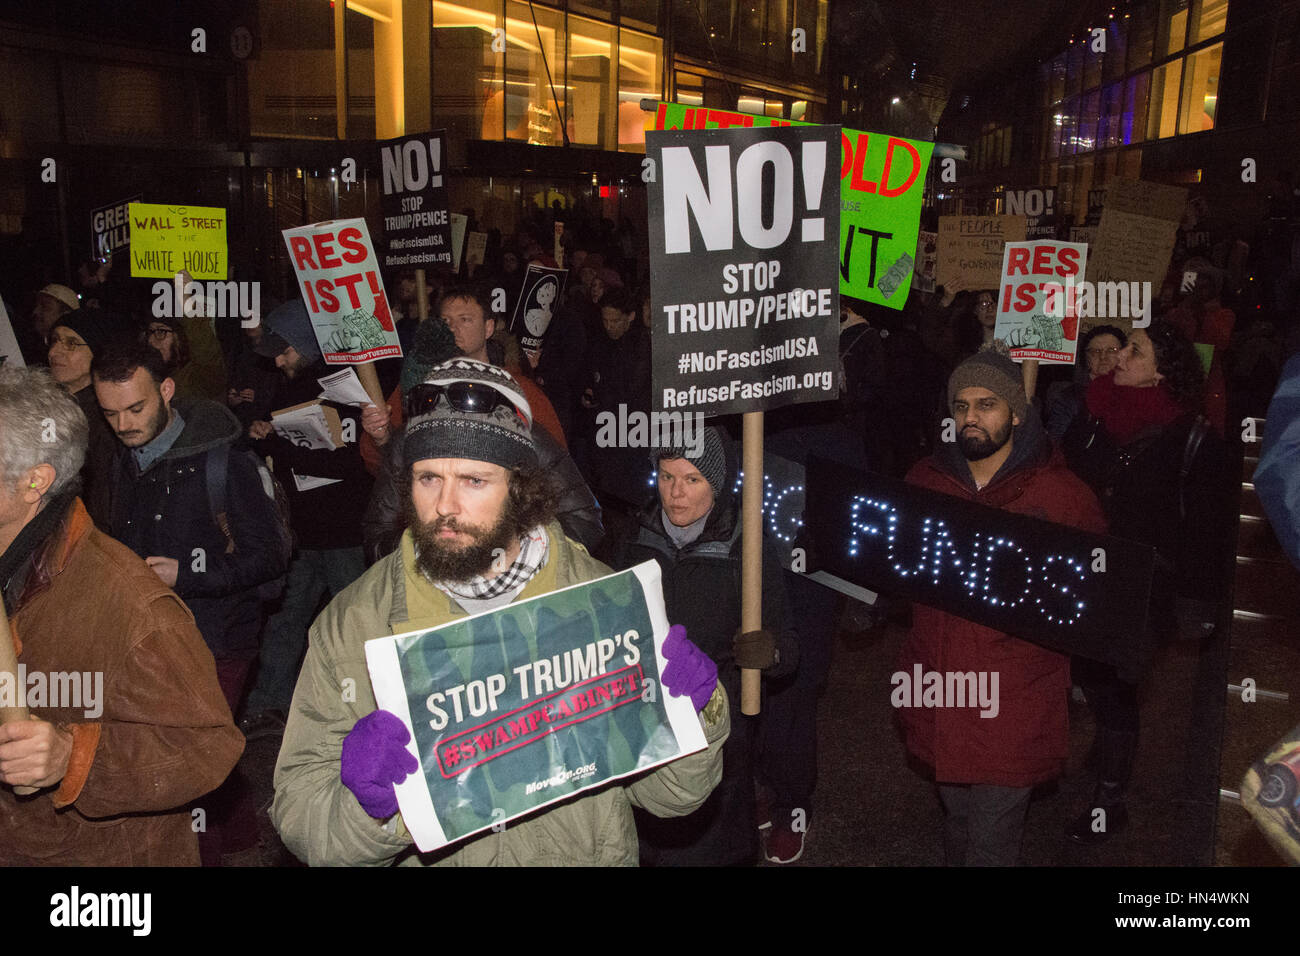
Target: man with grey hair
114, 765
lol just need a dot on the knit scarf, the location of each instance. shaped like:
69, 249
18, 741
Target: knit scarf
482, 593
1126, 411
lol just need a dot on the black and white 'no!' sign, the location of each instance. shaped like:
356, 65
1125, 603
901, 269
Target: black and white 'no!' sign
744, 260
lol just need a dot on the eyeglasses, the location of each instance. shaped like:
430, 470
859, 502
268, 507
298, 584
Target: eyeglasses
474, 397
160, 332
71, 343
1098, 353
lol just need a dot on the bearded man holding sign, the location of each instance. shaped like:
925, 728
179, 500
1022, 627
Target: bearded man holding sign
481, 535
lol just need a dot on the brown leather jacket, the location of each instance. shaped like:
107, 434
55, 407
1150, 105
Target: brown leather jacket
86, 604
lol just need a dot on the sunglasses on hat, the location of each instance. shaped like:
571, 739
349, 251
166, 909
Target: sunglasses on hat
473, 397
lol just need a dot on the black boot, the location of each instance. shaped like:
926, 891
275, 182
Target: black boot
1107, 814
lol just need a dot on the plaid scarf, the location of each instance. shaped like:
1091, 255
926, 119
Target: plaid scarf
482, 593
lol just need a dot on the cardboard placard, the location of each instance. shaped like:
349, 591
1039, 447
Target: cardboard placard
1037, 315
744, 295
881, 182
338, 275
543, 294
519, 708
970, 249
1139, 225
309, 425
168, 239
413, 197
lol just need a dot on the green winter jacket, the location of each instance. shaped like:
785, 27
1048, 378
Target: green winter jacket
320, 820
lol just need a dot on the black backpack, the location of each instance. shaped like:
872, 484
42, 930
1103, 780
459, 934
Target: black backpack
217, 467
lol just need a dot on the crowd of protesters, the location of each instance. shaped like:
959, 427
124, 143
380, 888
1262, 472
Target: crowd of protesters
171, 446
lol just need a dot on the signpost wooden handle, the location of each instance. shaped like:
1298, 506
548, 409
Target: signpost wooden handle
1029, 369
370, 382
421, 296
751, 553
9, 665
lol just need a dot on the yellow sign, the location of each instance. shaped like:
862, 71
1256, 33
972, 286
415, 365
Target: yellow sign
167, 239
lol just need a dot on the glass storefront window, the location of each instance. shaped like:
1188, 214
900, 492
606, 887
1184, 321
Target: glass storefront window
1074, 68
1087, 136
749, 27
689, 89
1162, 118
1108, 129
589, 103
1141, 35
810, 15
359, 35
644, 11
1209, 19
1091, 64
640, 68
1113, 61
1052, 135
776, 35
468, 77
531, 95
1200, 90
291, 84
1133, 121
1171, 34
1058, 79
1069, 128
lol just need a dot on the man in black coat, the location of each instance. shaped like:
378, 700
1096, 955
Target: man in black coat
692, 530
327, 489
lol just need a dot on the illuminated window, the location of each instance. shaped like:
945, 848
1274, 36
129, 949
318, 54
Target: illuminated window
1171, 27
291, 83
1200, 90
467, 74
1087, 135
590, 82
534, 82
1108, 129
1141, 36
1209, 19
1113, 58
640, 69
1133, 122
1162, 117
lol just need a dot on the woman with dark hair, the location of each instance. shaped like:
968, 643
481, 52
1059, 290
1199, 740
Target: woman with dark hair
978, 318
1161, 475
1099, 347
192, 354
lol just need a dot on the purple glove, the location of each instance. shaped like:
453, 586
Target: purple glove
690, 672
374, 759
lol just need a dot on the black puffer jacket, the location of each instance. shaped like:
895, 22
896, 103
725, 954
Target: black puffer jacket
578, 511
1187, 519
166, 511
701, 585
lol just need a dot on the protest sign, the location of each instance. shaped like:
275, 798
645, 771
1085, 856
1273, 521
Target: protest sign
339, 276
744, 301
10, 355
459, 222
521, 707
413, 198
927, 261
1069, 590
110, 228
475, 248
970, 249
543, 290
166, 240
1037, 305
1139, 225
1038, 206
882, 179
1085, 234
309, 425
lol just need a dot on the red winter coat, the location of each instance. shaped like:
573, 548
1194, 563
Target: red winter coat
1028, 741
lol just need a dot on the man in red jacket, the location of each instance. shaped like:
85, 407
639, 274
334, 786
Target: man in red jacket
987, 760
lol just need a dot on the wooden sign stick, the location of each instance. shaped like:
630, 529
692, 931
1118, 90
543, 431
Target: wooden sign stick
751, 553
9, 665
1029, 369
421, 296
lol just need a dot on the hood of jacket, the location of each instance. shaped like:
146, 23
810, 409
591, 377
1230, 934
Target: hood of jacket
1030, 448
207, 425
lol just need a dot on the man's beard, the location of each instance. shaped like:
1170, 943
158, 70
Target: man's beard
976, 445
440, 560
141, 437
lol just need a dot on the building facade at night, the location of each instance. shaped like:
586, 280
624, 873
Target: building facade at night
255, 106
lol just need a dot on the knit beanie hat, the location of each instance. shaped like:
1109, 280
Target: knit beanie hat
95, 327
710, 458
433, 343
502, 436
992, 368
